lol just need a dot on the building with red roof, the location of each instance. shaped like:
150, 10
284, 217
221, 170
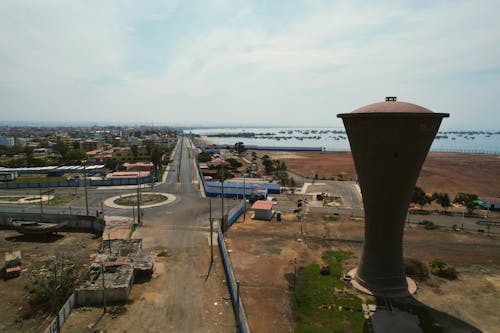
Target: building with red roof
263, 210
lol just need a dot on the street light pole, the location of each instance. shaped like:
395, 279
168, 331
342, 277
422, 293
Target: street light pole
103, 288
244, 199
463, 213
41, 200
222, 198
138, 202
211, 233
85, 185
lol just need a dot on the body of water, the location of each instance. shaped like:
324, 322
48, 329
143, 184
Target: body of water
335, 139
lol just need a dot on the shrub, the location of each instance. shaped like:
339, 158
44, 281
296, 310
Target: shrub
429, 225
440, 268
415, 269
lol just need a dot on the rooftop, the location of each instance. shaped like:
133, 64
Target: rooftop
262, 204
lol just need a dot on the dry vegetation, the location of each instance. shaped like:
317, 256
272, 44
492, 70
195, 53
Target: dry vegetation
441, 172
263, 254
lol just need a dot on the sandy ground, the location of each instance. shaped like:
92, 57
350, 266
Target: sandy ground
154, 300
442, 172
15, 312
263, 255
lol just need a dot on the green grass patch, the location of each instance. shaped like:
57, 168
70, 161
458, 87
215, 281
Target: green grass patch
62, 199
321, 303
332, 201
330, 218
23, 180
146, 199
273, 250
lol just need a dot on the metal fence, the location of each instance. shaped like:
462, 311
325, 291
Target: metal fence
235, 212
238, 309
433, 150
62, 315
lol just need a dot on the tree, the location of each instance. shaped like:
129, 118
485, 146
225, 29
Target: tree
61, 148
204, 157
75, 156
135, 151
239, 148
234, 163
420, 198
268, 165
443, 199
156, 156
285, 181
110, 164
55, 279
218, 174
466, 200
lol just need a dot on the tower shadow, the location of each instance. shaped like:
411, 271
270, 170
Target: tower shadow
408, 315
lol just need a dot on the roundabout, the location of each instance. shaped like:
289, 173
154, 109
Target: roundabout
148, 200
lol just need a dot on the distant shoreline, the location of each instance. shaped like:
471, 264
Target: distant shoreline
337, 150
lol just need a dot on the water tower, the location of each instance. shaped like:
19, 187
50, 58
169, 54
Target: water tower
389, 142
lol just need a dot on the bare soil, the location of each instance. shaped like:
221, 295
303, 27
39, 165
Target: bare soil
16, 314
441, 172
263, 255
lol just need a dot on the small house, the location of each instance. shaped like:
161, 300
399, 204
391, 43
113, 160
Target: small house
263, 210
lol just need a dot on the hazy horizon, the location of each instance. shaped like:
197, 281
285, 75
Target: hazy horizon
220, 63
70, 124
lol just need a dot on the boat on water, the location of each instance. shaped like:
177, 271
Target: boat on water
37, 228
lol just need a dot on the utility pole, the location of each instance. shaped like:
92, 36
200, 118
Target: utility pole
211, 233
138, 201
85, 185
222, 197
238, 304
103, 288
294, 272
244, 199
302, 223
463, 213
41, 200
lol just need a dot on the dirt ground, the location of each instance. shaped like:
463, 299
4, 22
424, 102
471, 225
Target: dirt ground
16, 315
150, 294
161, 304
263, 254
441, 172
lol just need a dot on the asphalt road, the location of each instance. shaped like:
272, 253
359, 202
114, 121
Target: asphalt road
182, 229
184, 299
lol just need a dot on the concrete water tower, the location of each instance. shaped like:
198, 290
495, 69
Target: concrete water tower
389, 142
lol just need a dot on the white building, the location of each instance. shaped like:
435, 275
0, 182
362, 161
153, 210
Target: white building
6, 141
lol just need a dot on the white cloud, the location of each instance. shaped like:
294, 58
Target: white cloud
245, 64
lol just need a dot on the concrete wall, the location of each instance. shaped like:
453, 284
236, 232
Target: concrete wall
115, 294
73, 222
85, 297
263, 214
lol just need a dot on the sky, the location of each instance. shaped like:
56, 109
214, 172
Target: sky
269, 63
